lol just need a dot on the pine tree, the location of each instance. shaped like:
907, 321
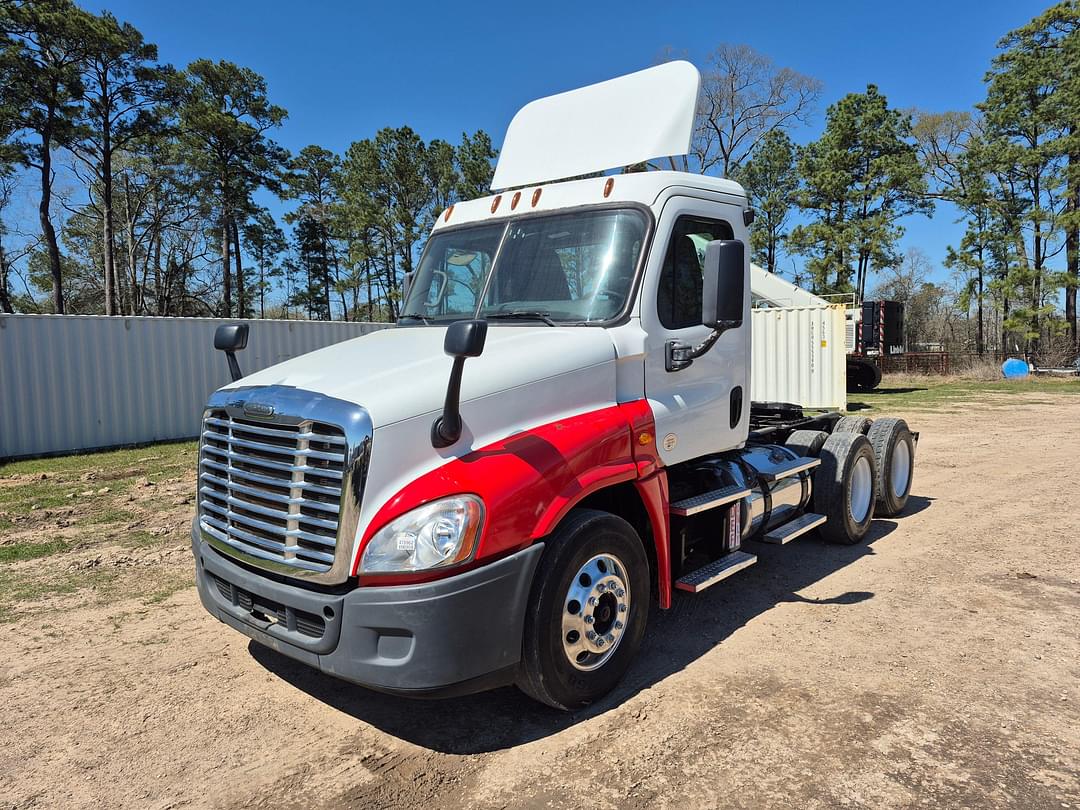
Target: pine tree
860, 177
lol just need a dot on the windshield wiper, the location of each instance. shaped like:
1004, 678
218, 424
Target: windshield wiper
416, 316
522, 315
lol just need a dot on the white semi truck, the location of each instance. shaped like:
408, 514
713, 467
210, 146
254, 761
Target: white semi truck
557, 434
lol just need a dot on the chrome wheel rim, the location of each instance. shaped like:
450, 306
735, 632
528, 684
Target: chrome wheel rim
862, 488
900, 469
596, 610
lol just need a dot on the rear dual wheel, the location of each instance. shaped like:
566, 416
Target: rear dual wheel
894, 453
846, 487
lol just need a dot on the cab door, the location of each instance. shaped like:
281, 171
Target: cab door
705, 407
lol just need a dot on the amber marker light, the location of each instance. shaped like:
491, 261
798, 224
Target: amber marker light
446, 216
495, 202
515, 200
644, 438
536, 197
608, 186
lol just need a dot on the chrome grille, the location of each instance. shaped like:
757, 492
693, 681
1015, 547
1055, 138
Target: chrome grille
280, 492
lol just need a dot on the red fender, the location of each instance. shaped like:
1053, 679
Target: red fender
530, 480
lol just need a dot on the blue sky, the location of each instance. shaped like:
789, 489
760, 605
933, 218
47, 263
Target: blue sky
344, 70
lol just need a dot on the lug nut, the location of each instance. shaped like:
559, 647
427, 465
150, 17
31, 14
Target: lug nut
618, 625
620, 593
589, 620
600, 587
600, 642
592, 600
622, 608
590, 635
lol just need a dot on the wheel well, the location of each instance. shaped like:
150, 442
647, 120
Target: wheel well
623, 500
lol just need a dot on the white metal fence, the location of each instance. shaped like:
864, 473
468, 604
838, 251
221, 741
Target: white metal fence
80, 382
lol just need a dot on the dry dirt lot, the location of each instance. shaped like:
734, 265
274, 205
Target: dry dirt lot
937, 664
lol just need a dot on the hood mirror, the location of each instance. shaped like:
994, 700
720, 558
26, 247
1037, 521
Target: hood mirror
231, 338
463, 339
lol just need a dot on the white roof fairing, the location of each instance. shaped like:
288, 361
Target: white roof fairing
620, 122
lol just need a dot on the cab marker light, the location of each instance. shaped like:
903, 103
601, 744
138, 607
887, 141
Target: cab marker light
608, 186
536, 197
515, 200
449, 211
495, 202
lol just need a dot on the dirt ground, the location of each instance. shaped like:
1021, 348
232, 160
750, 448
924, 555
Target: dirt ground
937, 665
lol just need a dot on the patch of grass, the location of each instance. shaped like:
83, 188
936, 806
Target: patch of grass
928, 393
16, 589
158, 457
29, 551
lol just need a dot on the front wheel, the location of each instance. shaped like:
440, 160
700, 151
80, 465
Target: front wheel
587, 611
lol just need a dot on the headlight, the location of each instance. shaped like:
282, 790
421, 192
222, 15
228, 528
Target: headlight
435, 535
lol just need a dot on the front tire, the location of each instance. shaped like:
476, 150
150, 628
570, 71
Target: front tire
587, 611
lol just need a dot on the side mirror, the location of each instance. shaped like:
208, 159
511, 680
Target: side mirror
231, 338
463, 339
724, 284
723, 290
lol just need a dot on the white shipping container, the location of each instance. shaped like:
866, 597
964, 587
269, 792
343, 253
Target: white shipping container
799, 356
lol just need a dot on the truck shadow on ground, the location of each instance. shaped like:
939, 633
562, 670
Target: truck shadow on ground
504, 718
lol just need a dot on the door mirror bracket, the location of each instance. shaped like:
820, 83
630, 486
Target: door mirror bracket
723, 291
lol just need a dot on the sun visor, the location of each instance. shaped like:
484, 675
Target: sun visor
620, 122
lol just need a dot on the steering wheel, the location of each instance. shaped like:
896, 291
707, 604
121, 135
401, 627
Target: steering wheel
610, 294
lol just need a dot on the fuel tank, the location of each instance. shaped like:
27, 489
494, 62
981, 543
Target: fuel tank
770, 503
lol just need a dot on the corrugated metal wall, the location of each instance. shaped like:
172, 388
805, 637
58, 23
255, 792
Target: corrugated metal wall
798, 355
79, 382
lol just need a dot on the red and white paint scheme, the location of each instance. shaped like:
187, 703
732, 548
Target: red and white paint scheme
557, 433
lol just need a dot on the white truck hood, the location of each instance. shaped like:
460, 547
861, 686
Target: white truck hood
402, 372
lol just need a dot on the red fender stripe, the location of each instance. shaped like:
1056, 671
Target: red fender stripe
530, 480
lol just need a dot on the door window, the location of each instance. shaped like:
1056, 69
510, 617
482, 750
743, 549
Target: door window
678, 298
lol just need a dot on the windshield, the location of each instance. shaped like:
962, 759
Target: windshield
564, 268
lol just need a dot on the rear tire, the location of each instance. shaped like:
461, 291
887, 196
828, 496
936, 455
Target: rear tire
591, 555
853, 424
845, 488
894, 452
807, 442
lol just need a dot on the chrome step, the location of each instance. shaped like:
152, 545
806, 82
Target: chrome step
708, 500
789, 468
709, 575
792, 529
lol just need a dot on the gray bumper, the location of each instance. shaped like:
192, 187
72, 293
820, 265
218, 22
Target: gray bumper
452, 636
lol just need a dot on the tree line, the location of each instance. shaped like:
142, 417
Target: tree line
167, 165
1010, 167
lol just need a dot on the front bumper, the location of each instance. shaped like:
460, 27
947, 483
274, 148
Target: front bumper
452, 636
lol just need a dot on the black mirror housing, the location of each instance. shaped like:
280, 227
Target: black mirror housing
465, 338
724, 284
231, 337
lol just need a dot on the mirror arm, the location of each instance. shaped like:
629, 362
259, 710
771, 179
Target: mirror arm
446, 429
678, 356
234, 366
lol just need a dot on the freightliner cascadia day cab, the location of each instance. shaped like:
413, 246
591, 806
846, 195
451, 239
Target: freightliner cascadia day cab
557, 433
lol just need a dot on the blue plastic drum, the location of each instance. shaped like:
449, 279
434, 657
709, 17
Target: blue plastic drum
1014, 368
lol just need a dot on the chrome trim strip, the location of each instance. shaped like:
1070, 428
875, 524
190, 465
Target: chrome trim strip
291, 406
281, 434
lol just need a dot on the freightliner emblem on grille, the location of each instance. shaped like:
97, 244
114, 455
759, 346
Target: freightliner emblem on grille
258, 409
